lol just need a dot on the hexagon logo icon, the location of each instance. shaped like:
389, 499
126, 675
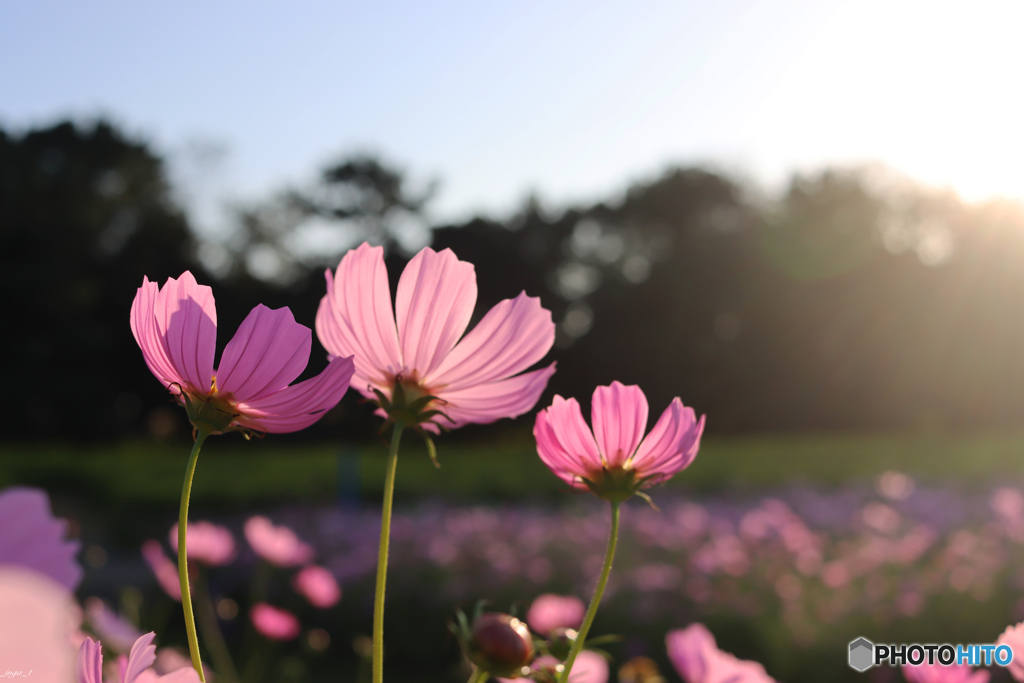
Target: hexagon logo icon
862, 654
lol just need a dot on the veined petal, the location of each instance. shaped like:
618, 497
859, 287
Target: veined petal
355, 317
149, 339
433, 305
267, 353
89, 666
486, 403
186, 317
514, 335
572, 432
672, 444
300, 405
141, 657
565, 466
619, 416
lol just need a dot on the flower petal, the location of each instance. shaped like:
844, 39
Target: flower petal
514, 335
186, 318
672, 444
690, 651
573, 434
89, 666
300, 405
355, 318
141, 657
565, 466
149, 339
434, 302
486, 403
619, 416
267, 353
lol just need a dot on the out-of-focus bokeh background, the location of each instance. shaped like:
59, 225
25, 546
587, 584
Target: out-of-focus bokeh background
806, 219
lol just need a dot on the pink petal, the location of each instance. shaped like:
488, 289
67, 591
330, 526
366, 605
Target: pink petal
149, 338
165, 571
489, 402
141, 657
318, 585
565, 466
672, 444
589, 667
433, 305
186, 318
274, 623
206, 542
619, 416
36, 628
276, 544
355, 318
117, 632
514, 335
30, 536
267, 353
550, 611
1014, 637
300, 405
573, 434
89, 666
690, 651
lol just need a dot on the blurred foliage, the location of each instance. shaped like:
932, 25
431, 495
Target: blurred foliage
850, 301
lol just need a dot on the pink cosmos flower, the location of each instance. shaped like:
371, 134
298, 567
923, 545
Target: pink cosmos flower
937, 673
615, 460
165, 571
277, 544
31, 537
38, 621
417, 343
1014, 637
318, 586
206, 542
176, 328
135, 668
274, 623
113, 629
550, 611
696, 657
589, 667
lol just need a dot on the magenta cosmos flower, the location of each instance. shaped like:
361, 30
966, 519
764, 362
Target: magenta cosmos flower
696, 657
417, 345
276, 544
206, 542
31, 537
274, 623
176, 328
135, 668
616, 460
318, 585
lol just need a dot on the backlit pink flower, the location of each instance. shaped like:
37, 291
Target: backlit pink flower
616, 460
1014, 637
165, 571
550, 611
276, 544
938, 673
176, 328
418, 342
31, 537
37, 620
696, 657
318, 586
135, 668
274, 623
207, 542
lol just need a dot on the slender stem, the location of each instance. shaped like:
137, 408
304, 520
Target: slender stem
595, 602
186, 595
479, 676
382, 556
212, 635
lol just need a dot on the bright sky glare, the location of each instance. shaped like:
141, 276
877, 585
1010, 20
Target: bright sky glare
567, 98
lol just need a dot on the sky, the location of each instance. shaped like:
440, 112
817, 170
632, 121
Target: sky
565, 99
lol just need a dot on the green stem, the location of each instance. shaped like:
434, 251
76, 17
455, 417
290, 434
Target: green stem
382, 556
595, 602
186, 595
212, 635
479, 676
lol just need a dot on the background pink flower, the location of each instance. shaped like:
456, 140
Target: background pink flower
30, 536
476, 379
113, 629
617, 447
276, 544
1014, 637
206, 542
550, 611
176, 328
318, 585
696, 657
274, 623
135, 668
165, 571
37, 619
937, 673
590, 667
